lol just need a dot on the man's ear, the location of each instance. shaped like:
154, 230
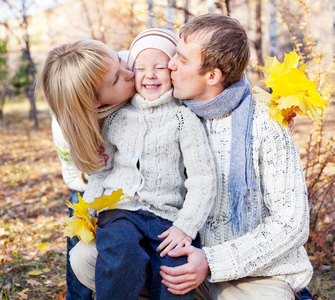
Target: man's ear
215, 77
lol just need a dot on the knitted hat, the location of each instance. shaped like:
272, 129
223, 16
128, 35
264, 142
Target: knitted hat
153, 38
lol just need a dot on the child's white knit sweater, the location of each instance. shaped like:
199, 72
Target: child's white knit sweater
160, 157
274, 247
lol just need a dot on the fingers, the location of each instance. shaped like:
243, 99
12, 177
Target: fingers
101, 149
171, 245
184, 251
179, 285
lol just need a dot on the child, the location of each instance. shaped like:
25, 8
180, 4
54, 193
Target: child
160, 157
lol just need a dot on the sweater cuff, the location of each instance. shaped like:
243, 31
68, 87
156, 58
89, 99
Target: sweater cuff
222, 264
184, 226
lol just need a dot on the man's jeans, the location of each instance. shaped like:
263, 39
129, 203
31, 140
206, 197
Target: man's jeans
126, 243
75, 289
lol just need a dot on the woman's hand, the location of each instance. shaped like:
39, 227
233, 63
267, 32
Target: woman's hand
173, 238
104, 156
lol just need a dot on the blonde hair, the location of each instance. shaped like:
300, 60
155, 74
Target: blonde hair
71, 75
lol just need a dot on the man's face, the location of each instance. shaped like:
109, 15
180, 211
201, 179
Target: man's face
187, 82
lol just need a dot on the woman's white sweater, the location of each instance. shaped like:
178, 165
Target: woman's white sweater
275, 246
160, 157
73, 178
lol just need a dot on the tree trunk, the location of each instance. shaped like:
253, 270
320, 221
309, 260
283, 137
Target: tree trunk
210, 6
187, 12
30, 88
171, 13
273, 28
258, 38
150, 20
227, 3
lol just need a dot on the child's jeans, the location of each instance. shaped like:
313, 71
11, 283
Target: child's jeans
126, 243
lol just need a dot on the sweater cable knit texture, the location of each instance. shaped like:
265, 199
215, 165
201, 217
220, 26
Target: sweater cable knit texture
275, 246
150, 143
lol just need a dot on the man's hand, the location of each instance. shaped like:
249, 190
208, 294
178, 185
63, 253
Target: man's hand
182, 279
291, 125
173, 238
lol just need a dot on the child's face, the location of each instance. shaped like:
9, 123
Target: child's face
152, 76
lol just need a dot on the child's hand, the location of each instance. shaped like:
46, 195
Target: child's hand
173, 238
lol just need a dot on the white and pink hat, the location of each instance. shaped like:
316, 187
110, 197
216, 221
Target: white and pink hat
153, 38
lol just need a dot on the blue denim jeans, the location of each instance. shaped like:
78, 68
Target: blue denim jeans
126, 243
75, 290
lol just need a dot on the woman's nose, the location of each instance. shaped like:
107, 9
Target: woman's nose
130, 75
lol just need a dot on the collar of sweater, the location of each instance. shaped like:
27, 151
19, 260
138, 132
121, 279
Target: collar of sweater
139, 102
108, 109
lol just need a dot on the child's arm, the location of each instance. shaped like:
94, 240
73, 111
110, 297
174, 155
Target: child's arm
173, 238
201, 174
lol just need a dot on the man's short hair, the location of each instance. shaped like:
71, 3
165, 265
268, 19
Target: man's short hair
225, 45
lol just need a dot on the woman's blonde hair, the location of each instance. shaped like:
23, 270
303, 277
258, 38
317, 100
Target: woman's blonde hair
70, 78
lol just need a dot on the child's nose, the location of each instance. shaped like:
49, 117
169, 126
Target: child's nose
150, 74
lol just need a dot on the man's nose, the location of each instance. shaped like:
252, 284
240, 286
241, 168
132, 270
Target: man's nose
172, 63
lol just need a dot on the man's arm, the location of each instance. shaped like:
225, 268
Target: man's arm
281, 233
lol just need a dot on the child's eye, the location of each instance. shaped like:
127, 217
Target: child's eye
139, 69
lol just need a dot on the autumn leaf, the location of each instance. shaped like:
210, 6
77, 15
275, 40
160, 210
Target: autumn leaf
79, 228
82, 224
291, 90
35, 273
33, 282
107, 201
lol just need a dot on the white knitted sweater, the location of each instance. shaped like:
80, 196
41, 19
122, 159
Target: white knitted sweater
152, 143
274, 247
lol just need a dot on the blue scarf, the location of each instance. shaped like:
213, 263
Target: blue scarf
242, 179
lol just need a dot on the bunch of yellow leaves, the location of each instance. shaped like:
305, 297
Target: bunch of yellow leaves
291, 90
82, 224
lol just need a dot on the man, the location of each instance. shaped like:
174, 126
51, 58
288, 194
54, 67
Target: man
253, 239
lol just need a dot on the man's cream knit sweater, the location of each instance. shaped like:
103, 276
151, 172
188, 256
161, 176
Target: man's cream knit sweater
160, 157
274, 247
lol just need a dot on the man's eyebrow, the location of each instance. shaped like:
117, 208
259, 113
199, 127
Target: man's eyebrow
181, 55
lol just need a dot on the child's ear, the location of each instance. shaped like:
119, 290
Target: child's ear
98, 104
215, 77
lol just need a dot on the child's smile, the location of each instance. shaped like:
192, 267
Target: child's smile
152, 76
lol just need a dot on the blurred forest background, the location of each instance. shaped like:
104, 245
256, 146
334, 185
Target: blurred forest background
32, 192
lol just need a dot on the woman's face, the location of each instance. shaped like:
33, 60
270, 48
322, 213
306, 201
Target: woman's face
118, 84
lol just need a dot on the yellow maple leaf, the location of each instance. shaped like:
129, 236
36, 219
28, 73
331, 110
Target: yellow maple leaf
82, 224
107, 201
291, 90
79, 228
